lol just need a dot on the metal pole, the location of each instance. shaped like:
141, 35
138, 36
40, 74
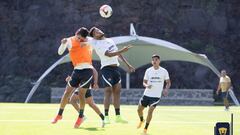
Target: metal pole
231, 124
127, 81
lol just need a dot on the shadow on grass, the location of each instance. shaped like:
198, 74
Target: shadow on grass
92, 129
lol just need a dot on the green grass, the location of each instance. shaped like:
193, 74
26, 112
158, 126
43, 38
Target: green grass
34, 119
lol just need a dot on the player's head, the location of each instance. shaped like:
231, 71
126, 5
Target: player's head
96, 33
155, 60
223, 72
82, 33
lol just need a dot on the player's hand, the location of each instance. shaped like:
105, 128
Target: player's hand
149, 86
217, 92
95, 86
68, 79
131, 69
126, 48
165, 92
64, 41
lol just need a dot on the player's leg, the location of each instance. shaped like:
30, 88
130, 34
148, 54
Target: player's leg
91, 103
116, 97
225, 100
74, 100
107, 83
149, 118
140, 115
152, 102
64, 101
107, 101
116, 102
85, 77
116, 83
81, 94
141, 105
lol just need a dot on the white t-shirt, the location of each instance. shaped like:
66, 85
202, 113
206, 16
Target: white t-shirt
155, 78
101, 46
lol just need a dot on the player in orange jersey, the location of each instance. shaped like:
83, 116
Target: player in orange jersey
81, 58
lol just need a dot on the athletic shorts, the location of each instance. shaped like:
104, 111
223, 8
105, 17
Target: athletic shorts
81, 78
110, 76
87, 95
148, 101
225, 94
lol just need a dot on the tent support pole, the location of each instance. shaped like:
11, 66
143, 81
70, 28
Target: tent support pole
127, 81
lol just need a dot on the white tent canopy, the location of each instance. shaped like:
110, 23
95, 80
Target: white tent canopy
140, 54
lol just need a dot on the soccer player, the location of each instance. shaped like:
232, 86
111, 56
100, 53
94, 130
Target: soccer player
109, 54
224, 86
81, 58
153, 82
74, 100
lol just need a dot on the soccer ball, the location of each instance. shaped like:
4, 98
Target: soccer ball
105, 11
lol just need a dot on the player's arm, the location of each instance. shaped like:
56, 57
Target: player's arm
63, 46
95, 79
218, 88
146, 85
167, 86
112, 54
130, 67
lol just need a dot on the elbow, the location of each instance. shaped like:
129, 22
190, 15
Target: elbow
108, 54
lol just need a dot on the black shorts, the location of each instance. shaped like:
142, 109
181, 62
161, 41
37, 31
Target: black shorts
81, 78
110, 76
87, 95
149, 101
225, 94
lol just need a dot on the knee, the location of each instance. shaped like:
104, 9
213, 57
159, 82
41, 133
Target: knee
139, 110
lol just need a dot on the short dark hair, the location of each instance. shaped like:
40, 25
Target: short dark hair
91, 31
155, 56
82, 31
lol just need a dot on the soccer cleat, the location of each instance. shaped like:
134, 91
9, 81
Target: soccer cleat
226, 109
79, 122
103, 124
119, 119
144, 132
106, 120
140, 124
55, 120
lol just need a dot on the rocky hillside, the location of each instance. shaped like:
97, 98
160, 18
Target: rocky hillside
30, 33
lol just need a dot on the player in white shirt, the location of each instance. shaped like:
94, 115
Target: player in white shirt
153, 82
108, 52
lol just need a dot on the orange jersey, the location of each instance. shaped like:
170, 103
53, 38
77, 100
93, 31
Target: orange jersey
80, 54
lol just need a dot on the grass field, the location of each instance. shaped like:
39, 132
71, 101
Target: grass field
34, 119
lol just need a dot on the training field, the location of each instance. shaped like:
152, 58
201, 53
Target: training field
34, 119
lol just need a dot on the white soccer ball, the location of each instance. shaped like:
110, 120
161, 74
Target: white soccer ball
105, 11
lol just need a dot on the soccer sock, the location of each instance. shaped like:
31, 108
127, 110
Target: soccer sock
117, 111
146, 126
81, 113
60, 112
101, 115
106, 112
141, 118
